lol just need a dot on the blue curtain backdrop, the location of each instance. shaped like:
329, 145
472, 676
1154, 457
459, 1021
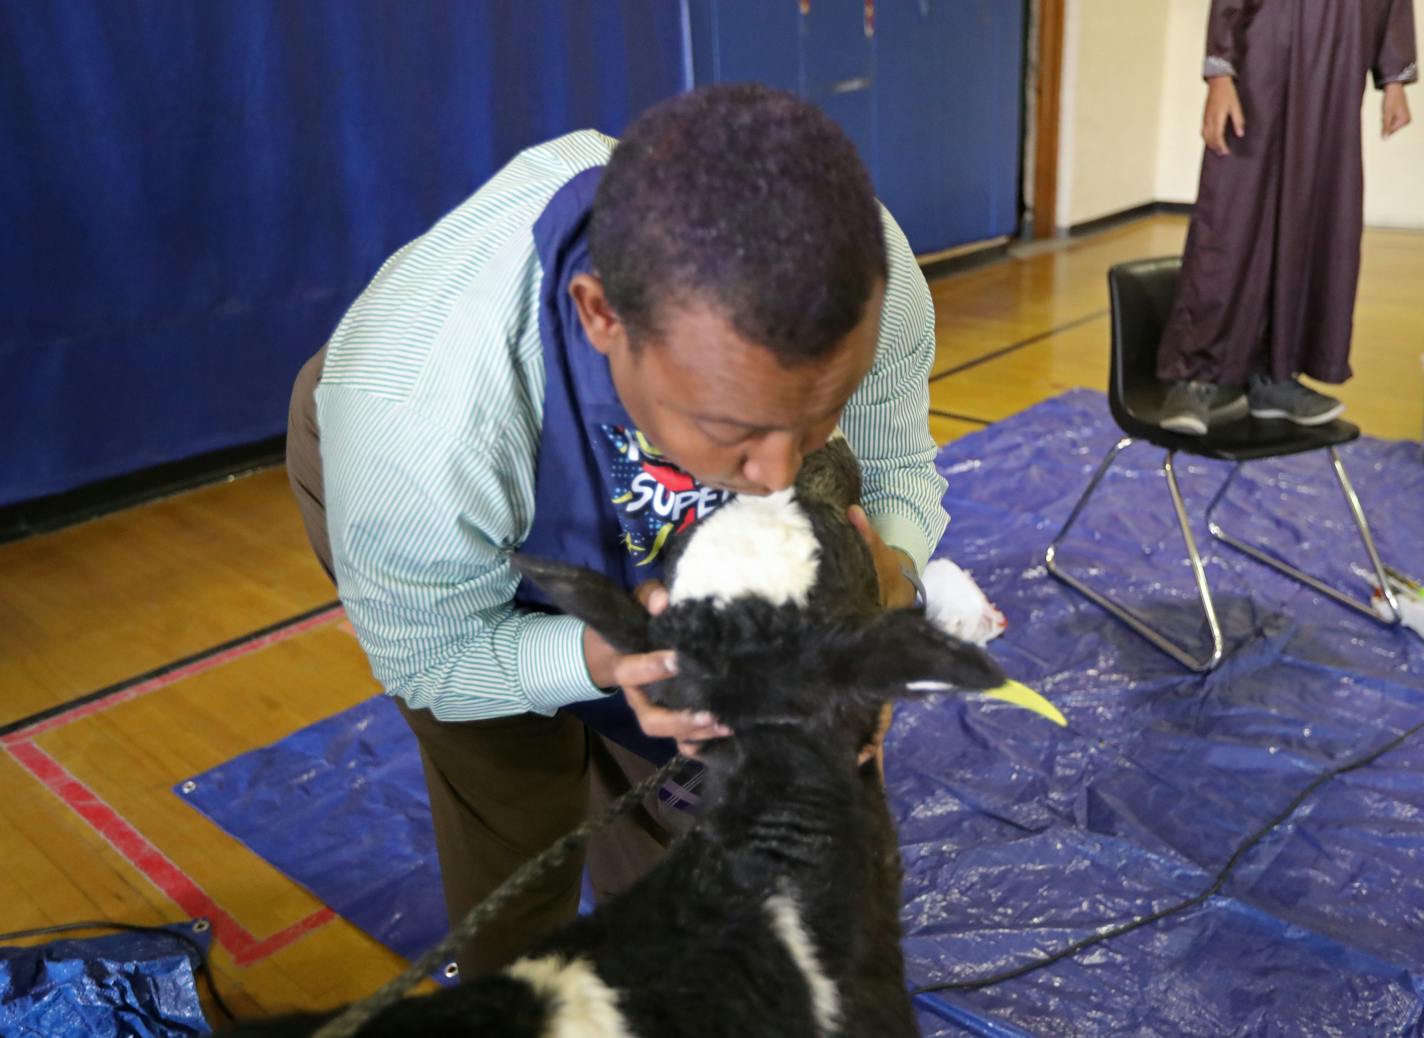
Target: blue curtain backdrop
931, 91
191, 193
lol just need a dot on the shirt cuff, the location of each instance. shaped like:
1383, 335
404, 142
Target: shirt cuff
1214, 66
552, 667
900, 532
1408, 74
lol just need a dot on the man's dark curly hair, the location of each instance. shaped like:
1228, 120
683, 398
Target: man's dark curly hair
745, 199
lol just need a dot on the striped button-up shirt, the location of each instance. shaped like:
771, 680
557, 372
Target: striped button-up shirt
430, 408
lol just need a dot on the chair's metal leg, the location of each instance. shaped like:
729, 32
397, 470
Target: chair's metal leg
1305, 578
1102, 471
1198, 570
1221, 494
1157, 638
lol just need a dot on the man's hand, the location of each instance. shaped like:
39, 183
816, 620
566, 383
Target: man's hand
608, 668
875, 749
1222, 105
1395, 109
896, 591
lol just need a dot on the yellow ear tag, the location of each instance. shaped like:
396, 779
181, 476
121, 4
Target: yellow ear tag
1028, 699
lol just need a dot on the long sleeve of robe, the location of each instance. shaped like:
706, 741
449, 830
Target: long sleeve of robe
1395, 58
1273, 254
1224, 35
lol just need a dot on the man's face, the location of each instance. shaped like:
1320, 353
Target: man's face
721, 407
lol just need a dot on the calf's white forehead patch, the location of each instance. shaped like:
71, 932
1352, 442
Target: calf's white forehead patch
762, 546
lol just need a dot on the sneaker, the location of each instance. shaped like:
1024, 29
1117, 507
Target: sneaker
1188, 408
1292, 401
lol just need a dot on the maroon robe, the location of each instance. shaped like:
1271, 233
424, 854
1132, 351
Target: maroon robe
1273, 254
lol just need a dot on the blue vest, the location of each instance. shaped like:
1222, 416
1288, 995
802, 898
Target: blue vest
605, 499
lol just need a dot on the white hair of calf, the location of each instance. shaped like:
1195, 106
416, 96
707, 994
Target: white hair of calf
581, 1005
759, 546
786, 923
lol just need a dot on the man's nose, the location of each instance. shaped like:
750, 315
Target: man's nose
775, 461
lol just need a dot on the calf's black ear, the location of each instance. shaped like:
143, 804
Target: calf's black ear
902, 653
592, 598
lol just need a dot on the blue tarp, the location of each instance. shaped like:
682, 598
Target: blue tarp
128, 985
341, 807
1019, 838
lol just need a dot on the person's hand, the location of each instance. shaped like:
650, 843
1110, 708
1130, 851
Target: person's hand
875, 749
1395, 110
1222, 106
896, 591
608, 668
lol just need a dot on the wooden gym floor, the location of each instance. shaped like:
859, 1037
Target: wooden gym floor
159, 606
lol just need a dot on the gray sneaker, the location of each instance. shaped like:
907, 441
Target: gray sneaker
1292, 401
1188, 408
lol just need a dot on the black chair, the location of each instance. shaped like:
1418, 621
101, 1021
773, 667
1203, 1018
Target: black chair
1142, 293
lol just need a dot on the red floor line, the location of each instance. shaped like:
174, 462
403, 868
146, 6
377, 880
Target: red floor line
279, 940
156, 866
173, 676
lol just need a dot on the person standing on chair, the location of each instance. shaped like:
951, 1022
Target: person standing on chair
590, 354
1268, 281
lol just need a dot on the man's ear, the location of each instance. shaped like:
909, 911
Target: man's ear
604, 328
902, 653
592, 598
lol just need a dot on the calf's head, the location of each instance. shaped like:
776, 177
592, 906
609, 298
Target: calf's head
774, 612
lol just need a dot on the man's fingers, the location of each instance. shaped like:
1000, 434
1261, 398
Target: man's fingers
661, 724
652, 596
884, 721
882, 727
691, 745
711, 731
861, 522
1238, 120
691, 727
644, 668
683, 725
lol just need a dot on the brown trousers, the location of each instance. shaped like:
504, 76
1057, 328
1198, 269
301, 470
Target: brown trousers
502, 790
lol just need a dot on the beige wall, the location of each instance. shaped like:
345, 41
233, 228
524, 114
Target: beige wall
1122, 58
1394, 169
1179, 143
1111, 106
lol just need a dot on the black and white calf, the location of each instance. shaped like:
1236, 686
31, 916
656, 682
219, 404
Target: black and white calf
778, 913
